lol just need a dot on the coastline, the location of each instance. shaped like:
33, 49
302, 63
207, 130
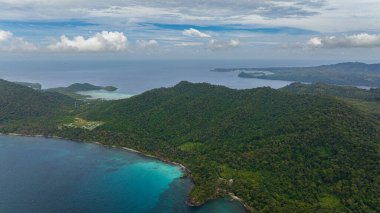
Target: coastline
185, 171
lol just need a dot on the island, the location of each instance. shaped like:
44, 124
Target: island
74, 89
349, 73
274, 150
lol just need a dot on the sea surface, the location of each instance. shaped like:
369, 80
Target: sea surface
50, 175
134, 76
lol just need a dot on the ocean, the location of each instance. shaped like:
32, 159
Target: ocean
39, 175
134, 76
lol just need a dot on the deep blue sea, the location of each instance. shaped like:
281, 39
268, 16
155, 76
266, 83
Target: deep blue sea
39, 175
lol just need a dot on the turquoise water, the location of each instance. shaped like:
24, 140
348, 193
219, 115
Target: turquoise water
49, 175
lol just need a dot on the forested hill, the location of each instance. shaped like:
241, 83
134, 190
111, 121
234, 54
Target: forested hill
78, 87
278, 151
363, 99
336, 91
18, 102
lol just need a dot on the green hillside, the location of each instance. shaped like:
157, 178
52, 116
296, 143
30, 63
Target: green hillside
332, 90
363, 99
18, 102
278, 151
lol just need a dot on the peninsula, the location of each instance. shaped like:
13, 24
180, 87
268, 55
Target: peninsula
349, 73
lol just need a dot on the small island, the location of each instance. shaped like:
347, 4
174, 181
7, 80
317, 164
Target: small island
254, 74
78, 87
75, 90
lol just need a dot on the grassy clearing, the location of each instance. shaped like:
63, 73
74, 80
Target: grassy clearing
188, 147
331, 202
83, 124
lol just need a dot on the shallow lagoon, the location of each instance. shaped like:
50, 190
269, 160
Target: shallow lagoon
49, 175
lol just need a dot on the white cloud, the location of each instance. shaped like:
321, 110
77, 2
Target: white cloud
335, 16
188, 44
362, 40
11, 43
5, 35
100, 42
215, 45
195, 33
144, 44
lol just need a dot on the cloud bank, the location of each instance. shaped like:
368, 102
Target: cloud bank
101, 42
362, 40
106, 41
9, 43
183, 9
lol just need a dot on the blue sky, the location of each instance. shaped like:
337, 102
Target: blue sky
257, 29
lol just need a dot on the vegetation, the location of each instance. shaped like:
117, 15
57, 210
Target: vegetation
363, 99
77, 87
21, 102
336, 91
83, 124
37, 86
278, 151
355, 74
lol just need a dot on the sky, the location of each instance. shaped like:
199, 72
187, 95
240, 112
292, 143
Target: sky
215, 29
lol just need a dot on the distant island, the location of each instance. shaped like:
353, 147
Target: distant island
351, 73
313, 148
74, 89
78, 87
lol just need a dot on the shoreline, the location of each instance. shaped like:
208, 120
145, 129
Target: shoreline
186, 172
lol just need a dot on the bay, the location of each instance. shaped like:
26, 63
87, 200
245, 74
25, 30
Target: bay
50, 175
